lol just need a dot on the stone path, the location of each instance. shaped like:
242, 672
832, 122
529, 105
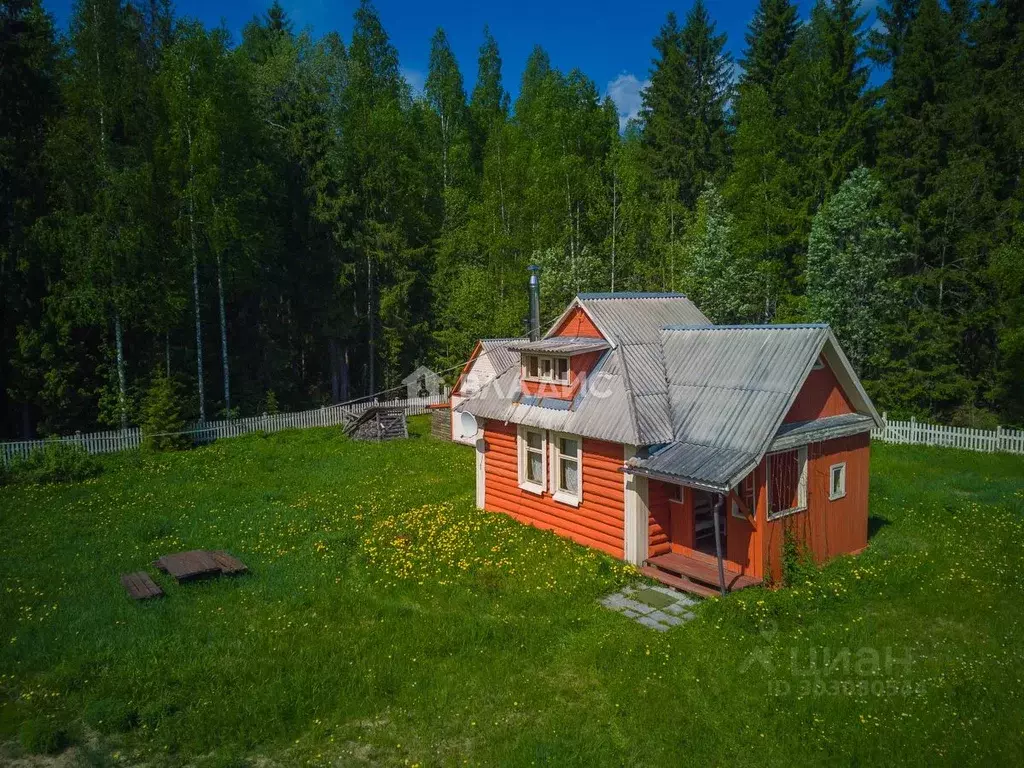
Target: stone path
658, 607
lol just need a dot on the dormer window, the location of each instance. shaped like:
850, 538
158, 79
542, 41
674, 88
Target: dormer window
547, 368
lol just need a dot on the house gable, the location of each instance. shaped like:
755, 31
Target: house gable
577, 323
820, 395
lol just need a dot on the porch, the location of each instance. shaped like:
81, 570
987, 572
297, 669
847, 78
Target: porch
694, 573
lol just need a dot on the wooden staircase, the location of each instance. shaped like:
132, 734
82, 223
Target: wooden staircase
693, 575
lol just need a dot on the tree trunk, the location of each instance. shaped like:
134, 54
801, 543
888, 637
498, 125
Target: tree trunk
615, 179
195, 282
371, 341
122, 394
167, 353
223, 338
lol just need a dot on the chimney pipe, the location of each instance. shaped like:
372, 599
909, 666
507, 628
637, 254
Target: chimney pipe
534, 302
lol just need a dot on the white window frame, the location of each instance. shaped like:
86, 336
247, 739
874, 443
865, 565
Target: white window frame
551, 377
526, 484
565, 497
818, 364
833, 495
801, 488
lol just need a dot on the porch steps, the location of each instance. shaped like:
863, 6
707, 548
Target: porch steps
678, 583
693, 575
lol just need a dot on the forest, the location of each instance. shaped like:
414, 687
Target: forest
281, 221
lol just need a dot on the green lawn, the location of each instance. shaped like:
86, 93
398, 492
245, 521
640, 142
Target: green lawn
387, 621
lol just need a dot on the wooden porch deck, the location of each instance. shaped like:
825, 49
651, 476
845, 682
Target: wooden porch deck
693, 575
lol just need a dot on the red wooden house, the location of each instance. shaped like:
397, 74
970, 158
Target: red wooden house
635, 424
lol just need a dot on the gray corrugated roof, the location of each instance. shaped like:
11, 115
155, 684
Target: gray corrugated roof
604, 413
567, 345
728, 390
633, 322
802, 432
714, 396
500, 354
697, 465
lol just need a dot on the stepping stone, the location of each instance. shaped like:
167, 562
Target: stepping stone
140, 586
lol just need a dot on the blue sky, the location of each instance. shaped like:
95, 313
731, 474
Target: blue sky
609, 41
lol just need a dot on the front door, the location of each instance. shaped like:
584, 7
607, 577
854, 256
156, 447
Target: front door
704, 524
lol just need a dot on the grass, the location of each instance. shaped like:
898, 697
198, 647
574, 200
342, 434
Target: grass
386, 621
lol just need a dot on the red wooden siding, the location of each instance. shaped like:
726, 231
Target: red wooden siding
578, 324
742, 542
599, 519
827, 528
820, 396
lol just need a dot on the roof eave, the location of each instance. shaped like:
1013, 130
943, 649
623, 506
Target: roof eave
678, 479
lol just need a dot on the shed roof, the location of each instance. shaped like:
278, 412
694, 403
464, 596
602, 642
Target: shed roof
566, 345
421, 371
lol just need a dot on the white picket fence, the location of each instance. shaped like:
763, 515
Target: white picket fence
131, 438
915, 432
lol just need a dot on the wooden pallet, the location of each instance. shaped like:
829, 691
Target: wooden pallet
140, 586
197, 563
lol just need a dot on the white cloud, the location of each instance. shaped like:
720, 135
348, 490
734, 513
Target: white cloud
416, 80
626, 91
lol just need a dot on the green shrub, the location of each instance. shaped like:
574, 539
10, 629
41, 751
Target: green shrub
797, 563
974, 417
55, 462
271, 407
41, 736
162, 419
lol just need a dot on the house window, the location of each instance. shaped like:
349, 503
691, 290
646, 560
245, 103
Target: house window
787, 482
562, 369
541, 368
532, 446
675, 493
818, 365
745, 490
837, 481
568, 456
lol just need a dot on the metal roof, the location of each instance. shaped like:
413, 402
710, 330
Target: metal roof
802, 432
567, 345
601, 411
500, 354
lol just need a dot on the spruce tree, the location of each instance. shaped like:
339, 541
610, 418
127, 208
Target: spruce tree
684, 108
769, 38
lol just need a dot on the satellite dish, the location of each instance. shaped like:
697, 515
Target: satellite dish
466, 425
